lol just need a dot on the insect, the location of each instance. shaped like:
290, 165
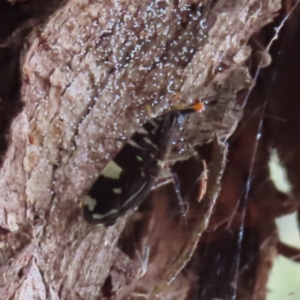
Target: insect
127, 179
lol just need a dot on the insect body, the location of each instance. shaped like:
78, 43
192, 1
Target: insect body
127, 179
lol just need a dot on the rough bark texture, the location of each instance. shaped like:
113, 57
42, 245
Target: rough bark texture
85, 83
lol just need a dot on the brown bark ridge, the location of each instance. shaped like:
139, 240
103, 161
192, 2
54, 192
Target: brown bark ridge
86, 80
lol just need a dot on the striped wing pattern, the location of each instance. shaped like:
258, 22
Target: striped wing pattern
127, 179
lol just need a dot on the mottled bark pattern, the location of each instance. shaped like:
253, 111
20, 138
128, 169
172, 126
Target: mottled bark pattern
85, 81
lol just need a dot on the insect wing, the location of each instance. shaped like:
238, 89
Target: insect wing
127, 179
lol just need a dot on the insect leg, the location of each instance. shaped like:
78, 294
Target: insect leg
184, 205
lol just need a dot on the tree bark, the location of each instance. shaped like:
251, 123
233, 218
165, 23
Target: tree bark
86, 80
